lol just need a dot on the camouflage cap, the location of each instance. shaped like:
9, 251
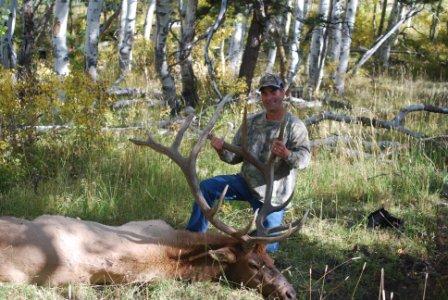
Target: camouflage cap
271, 80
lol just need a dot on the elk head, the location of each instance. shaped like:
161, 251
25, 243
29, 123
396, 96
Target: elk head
247, 262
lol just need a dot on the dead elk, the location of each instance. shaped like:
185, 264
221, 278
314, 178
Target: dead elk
58, 250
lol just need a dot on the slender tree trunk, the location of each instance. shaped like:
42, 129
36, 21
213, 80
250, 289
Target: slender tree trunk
307, 5
8, 57
347, 32
375, 10
61, 60
125, 56
296, 34
235, 52
272, 55
163, 17
254, 40
334, 31
189, 81
27, 48
394, 17
92, 35
435, 21
317, 46
383, 18
123, 16
149, 20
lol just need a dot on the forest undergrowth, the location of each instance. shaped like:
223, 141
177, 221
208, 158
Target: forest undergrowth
97, 174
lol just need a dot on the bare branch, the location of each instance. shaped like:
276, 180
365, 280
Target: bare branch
210, 31
394, 124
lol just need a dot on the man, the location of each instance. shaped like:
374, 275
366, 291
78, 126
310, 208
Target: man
263, 129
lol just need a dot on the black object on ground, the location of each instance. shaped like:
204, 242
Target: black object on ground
383, 219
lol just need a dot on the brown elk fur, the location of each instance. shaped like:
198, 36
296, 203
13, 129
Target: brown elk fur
57, 250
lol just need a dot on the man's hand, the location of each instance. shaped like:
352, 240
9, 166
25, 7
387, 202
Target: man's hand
279, 149
216, 143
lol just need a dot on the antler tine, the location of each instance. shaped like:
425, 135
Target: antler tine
180, 134
284, 231
218, 203
244, 130
206, 132
297, 223
150, 142
245, 231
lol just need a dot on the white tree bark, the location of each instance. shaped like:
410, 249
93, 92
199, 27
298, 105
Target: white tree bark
317, 46
272, 54
334, 31
125, 55
394, 17
347, 31
60, 37
163, 17
149, 20
8, 57
235, 52
123, 16
296, 34
92, 34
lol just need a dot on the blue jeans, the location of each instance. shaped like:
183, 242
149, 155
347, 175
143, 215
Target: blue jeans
238, 190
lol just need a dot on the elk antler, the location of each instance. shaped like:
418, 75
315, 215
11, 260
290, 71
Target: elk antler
188, 167
267, 170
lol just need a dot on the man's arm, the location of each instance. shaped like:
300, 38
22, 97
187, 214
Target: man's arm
296, 152
224, 155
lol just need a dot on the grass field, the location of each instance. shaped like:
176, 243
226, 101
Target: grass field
110, 180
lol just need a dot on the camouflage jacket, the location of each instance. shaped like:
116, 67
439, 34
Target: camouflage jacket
261, 133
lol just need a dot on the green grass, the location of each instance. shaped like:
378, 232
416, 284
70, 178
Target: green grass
110, 180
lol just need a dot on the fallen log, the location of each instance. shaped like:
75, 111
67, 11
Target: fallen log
397, 123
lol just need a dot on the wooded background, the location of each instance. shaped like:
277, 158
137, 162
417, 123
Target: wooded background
368, 78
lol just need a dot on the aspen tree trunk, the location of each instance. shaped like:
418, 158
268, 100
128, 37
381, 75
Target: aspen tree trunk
8, 57
92, 36
334, 31
347, 31
26, 52
317, 47
235, 52
61, 61
307, 5
189, 82
272, 55
394, 17
149, 20
383, 18
253, 43
296, 34
125, 55
435, 21
123, 16
279, 29
163, 17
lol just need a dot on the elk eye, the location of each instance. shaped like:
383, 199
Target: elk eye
253, 265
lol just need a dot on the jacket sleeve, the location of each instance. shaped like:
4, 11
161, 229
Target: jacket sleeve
229, 157
299, 145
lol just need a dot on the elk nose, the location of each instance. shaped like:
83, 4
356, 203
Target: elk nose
288, 294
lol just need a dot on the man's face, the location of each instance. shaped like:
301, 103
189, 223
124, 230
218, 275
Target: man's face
272, 99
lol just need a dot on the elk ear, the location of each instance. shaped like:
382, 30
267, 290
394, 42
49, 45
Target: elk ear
225, 255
